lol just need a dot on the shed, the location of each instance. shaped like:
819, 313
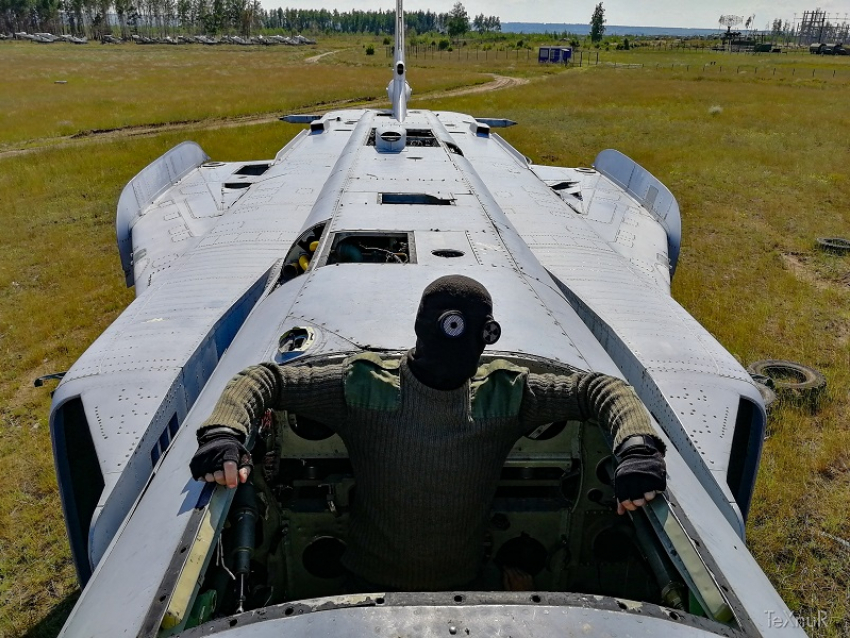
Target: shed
560, 55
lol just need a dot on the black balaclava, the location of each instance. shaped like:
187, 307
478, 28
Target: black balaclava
453, 324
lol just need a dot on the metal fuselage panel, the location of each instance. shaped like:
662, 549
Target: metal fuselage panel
441, 619
609, 258
572, 300
201, 251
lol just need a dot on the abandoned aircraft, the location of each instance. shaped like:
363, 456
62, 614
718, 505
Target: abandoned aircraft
322, 252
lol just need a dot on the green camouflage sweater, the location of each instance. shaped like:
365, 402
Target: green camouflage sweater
426, 461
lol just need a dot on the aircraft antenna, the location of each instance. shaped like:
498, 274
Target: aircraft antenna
398, 89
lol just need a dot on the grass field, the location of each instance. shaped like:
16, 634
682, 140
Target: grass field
759, 162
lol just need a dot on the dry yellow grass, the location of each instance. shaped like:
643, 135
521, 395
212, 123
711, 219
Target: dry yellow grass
759, 165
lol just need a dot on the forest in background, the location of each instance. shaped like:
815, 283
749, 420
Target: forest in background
123, 18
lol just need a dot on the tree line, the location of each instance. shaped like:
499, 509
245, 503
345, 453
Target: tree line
94, 18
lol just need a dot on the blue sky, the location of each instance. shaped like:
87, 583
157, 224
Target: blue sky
662, 13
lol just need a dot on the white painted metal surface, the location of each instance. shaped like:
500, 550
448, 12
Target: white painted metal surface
578, 261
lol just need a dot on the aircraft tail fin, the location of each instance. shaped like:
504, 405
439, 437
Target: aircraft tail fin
398, 89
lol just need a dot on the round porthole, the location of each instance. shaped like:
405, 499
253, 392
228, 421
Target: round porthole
296, 342
212, 164
612, 545
310, 430
323, 557
447, 252
522, 552
585, 169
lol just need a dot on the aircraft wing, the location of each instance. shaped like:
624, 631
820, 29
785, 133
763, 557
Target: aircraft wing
199, 240
609, 237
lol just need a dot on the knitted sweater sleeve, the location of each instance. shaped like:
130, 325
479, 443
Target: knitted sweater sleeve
582, 396
317, 393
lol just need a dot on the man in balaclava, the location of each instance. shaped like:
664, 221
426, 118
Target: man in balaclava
453, 324
427, 435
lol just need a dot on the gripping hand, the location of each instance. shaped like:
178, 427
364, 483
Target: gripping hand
641, 472
221, 458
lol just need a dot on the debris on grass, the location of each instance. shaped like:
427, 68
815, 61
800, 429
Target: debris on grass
840, 541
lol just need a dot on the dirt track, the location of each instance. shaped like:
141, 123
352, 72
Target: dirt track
314, 59
499, 82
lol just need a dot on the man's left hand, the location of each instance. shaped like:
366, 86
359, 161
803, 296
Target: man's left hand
641, 473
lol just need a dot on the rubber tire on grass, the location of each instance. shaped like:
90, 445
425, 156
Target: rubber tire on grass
837, 245
765, 387
790, 380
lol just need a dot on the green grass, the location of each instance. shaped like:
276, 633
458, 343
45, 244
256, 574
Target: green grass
60, 286
759, 178
112, 87
759, 164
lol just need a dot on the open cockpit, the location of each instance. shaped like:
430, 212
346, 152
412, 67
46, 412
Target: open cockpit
280, 540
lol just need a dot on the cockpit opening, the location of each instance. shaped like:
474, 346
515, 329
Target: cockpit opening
553, 517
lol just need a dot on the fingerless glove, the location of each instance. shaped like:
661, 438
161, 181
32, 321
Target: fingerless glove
641, 468
214, 450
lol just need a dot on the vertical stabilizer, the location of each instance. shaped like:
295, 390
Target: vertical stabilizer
398, 89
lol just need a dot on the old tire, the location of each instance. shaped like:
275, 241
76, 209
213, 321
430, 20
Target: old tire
837, 245
790, 380
766, 389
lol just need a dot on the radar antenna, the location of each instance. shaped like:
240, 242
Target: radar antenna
398, 90
730, 21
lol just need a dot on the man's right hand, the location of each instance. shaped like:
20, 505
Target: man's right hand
221, 459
